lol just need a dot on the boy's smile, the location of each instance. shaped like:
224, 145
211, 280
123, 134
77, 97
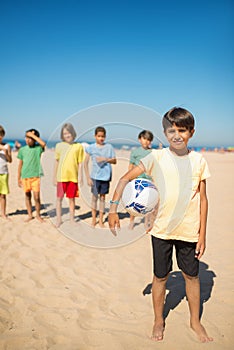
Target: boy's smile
178, 137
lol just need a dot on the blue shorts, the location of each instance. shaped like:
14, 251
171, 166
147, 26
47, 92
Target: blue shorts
185, 256
100, 187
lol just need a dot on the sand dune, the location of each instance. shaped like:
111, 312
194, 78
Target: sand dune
59, 294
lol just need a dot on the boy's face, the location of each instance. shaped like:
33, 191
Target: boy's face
1, 138
178, 136
67, 136
29, 141
145, 143
100, 137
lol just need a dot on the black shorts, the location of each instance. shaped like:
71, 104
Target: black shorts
185, 256
100, 187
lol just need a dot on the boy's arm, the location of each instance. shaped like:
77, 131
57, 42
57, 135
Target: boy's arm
111, 160
8, 154
113, 218
86, 169
37, 139
201, 244
106, 160
80, 174
19, 172
55, 171
130, 166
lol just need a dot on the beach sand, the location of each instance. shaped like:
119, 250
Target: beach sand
58, 294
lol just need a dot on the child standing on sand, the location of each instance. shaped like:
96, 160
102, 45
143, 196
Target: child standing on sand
102, 155
68, 158
180, 176
145, 138
5, 157
29, 171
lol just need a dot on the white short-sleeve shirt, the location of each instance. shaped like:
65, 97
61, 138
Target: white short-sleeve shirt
177, 179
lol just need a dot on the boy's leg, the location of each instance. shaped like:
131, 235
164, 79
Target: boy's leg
94, 209
101, 210
3, 205
158, 297
28, 202
131, 222
72, 209
162, 259
185, 254
4, 191
193, 296
59, 211
37, 200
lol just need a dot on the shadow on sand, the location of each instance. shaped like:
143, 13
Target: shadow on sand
176, 287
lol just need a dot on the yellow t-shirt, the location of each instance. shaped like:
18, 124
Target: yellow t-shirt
69, 156
177, 179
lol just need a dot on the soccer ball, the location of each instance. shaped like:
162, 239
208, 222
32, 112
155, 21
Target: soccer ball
140, 197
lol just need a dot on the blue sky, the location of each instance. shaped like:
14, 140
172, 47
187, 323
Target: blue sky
59, 57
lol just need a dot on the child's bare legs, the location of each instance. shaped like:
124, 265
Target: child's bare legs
101, 210
193, 296
131, 222
3, 205
94, 209
28, 202
59, 211
72, 209
158, 296
37, 200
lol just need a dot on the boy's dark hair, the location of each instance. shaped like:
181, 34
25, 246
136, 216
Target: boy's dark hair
70, 128
2, 131
181, 117
148, 135
36, 133
100, 129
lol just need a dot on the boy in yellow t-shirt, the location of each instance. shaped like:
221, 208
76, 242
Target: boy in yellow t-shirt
68, 158
180, 222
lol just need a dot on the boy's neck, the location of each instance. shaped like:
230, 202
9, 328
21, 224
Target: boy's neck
100, 144
179, 152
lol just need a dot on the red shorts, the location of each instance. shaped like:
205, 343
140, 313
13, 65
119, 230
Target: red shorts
70, 188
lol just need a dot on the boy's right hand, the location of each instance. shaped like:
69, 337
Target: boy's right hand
90, 182
113, 220
19, 182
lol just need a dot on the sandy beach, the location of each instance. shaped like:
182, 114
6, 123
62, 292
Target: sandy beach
65, 290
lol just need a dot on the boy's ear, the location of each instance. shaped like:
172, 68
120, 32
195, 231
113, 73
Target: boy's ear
192, 132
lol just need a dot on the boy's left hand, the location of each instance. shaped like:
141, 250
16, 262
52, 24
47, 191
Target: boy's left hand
200, 249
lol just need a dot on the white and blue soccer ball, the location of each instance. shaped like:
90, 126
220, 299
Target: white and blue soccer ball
140, 197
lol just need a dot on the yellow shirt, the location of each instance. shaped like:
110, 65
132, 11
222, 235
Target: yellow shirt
69, 156
177, 179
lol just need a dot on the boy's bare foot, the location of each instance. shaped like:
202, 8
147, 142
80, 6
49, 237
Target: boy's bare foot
101, 224
201, 332
94, 222
29, 219
74, 222
39, 218
58, 224
5, 217
157, 332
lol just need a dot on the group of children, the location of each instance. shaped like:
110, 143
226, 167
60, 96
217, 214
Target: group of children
70, 157
179, 174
